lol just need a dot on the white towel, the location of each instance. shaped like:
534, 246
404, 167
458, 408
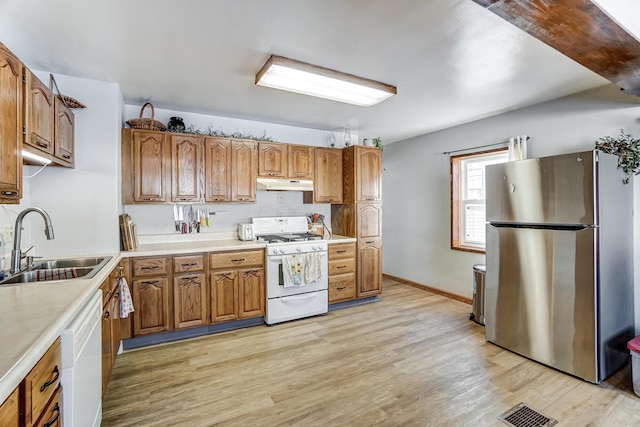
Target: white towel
300, 270
126, 303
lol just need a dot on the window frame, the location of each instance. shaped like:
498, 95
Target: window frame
456, 200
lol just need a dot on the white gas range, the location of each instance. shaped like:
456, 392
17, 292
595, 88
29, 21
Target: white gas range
290, 248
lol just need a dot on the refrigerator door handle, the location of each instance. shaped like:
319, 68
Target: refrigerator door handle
562, 227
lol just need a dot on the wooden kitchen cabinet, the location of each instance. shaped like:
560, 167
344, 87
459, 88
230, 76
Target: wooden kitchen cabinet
369, 220
63, 133
301, 161
190, 300
327, 182
237, 284
52, 414
151, 295
111, 322
272, 160
362, 174
145, 168
186, 168
39, 114
11, 122
218, 171
10, 410
342, 272
244, 164
40, 387
369, 281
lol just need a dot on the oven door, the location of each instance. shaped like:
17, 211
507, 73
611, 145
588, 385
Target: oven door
275, 278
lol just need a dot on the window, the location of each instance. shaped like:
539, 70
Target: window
468, 198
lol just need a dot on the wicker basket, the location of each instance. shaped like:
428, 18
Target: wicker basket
149, 124
68, 101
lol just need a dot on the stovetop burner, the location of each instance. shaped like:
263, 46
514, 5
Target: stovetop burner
289, 237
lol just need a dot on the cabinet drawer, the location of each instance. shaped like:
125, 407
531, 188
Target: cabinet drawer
42, 382
340, 266
182, 264
342, 287
155, 266
52, 415
342, 250
236, 259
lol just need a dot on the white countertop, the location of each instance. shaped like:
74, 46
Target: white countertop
33, 315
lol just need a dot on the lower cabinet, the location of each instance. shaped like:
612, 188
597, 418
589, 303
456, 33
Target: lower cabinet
52, 415
151, 303
342, 272
189, 300
251, 295
224, 296
10, 410
42, 397
369, 278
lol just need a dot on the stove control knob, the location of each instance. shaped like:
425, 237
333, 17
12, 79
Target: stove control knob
282, 250
315, 247
299, 249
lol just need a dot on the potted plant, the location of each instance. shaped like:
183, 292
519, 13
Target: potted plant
374, 142
627, 148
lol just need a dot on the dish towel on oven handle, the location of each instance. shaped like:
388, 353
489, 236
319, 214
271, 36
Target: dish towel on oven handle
300, 270
126, 303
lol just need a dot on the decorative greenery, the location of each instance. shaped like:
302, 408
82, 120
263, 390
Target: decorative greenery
377, 141
627, 148
211, 131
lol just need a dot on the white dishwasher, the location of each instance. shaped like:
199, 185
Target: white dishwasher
81, 352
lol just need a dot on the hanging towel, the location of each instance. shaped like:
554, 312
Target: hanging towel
300, 270
126, 304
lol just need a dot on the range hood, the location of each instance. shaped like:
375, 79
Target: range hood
271, 184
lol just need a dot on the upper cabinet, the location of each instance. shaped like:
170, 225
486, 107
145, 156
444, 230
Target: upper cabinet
272, 160
63, 133
186, 168
327, 182
144, 167
39, 113
300, 160
217, 166
11, 122
363, 174
244, 164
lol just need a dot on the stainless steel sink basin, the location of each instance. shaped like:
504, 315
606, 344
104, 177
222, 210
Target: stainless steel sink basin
81, 268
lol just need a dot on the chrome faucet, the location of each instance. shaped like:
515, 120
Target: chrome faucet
16, 253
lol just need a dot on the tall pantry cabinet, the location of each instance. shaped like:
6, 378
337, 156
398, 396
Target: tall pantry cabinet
360, 215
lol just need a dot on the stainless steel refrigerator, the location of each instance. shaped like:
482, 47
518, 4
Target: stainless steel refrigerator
559, 280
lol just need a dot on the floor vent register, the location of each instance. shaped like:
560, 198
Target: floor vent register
523, 416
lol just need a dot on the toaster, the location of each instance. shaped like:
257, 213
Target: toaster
245, 232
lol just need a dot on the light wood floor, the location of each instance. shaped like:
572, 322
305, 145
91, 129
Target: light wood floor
412, 359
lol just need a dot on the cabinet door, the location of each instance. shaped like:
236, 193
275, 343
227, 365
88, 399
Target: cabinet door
252, 299
217, 158
186, 168
327, 185
272, 160
107, 344
244, 160
151, 302
38, 114
63, 133
149, 167
10, 127
10, 410
301, 159
368, 174
369, 221
224, 295
190, 300
369, 279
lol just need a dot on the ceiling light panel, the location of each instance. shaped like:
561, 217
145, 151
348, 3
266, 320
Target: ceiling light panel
294, 76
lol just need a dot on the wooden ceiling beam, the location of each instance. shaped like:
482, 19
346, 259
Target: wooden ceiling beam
580, 30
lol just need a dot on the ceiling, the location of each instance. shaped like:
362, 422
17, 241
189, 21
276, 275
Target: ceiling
452, 61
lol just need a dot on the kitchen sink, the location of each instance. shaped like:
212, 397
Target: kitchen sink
83, 268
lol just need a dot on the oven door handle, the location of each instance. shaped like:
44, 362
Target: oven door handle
300, 297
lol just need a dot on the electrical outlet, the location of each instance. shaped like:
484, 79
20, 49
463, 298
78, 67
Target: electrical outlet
281, 198
7, 233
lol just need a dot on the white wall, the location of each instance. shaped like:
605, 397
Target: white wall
416, 183
159, 219
83, 203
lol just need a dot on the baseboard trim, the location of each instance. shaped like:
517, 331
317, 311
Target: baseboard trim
428, 288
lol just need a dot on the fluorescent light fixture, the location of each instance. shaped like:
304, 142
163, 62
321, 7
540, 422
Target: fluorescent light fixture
295, 76
35, 157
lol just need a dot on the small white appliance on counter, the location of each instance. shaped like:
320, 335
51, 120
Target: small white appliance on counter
287, 236
245, 232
